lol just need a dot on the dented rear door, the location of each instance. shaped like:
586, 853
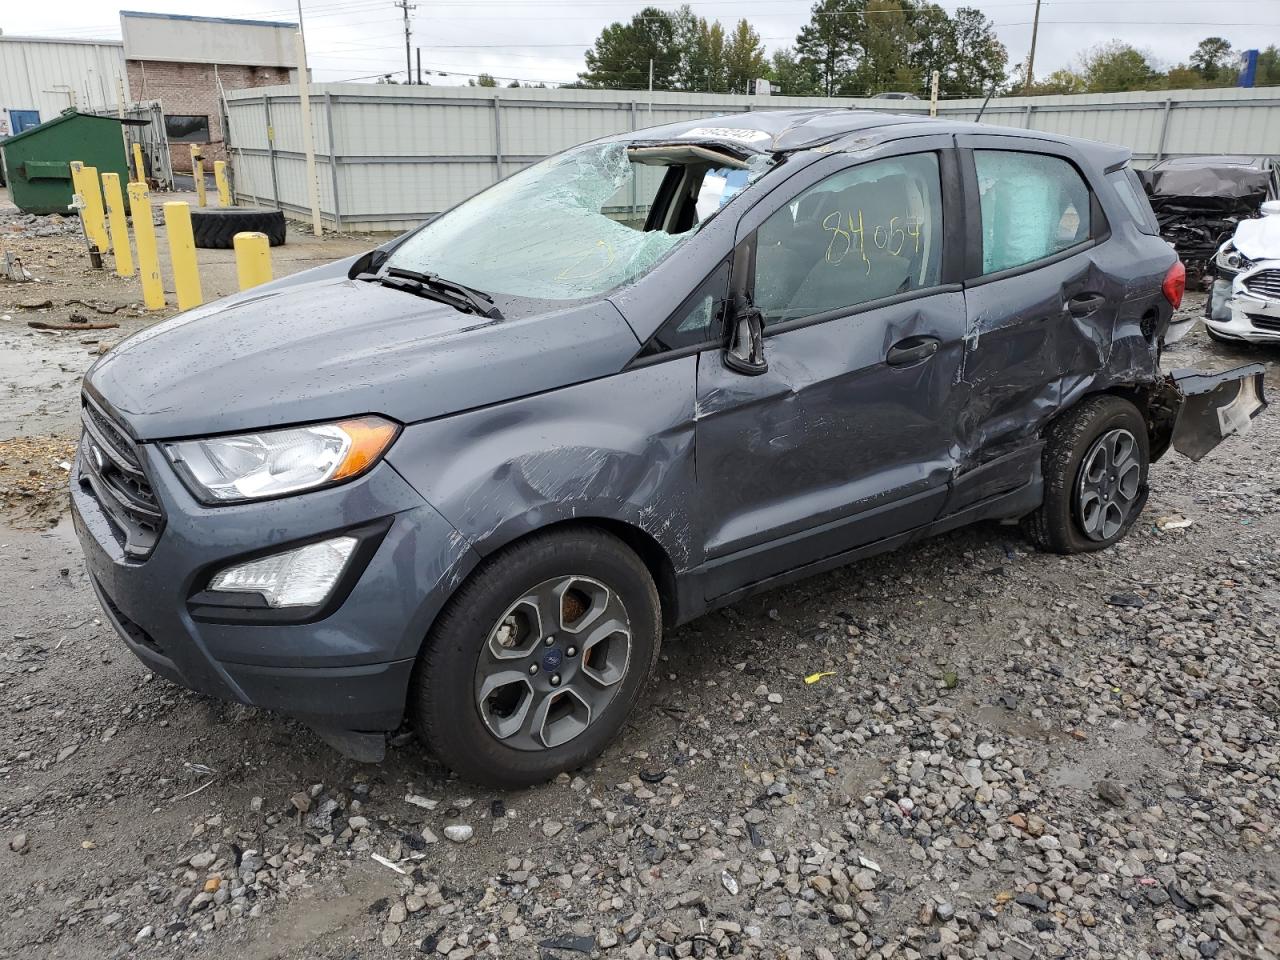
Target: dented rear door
1041, 303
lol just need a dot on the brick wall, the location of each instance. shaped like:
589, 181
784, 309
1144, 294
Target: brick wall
192, 89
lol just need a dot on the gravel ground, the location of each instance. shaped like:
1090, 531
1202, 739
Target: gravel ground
1001, 753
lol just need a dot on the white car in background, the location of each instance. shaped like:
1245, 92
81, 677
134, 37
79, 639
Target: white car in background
1244, 304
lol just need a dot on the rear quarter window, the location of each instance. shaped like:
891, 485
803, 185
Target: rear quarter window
1128, 187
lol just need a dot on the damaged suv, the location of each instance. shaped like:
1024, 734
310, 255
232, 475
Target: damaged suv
472, 476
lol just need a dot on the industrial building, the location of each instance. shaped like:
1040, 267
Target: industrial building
182, 63
187, 62
41, 76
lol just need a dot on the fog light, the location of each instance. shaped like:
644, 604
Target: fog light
295, 578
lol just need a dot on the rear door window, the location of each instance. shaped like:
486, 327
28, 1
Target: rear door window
869, 232
1033, 206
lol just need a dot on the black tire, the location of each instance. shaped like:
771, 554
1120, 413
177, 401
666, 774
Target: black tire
442, 696
1057, 526
215, 227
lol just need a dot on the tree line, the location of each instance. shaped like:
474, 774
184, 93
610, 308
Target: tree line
858, 48
849, 48
1115, 67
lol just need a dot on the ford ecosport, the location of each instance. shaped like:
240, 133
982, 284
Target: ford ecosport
471, 476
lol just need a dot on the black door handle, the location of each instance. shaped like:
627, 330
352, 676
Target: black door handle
1083, 304
911, 350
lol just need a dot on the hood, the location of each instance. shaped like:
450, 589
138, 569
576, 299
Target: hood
336, 348
1259, 239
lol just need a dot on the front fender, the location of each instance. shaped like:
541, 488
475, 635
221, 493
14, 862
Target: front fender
618, 448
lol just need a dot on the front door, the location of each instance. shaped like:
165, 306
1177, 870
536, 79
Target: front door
848, 437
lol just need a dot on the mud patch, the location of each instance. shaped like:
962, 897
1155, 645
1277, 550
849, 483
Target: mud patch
33, 480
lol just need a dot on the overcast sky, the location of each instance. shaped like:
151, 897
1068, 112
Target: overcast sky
545, 39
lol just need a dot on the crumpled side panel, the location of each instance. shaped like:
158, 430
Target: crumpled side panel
618, 448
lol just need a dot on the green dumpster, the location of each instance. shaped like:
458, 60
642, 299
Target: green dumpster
38, 159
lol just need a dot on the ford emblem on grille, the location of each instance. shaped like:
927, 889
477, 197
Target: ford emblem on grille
95, 455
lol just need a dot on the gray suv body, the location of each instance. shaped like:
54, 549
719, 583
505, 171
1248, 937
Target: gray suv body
471, 475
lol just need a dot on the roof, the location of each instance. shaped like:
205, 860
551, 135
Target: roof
7, 38
774, 131
63, 117
202, 19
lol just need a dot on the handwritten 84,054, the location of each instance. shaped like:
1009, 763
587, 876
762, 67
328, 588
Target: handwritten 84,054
849, 236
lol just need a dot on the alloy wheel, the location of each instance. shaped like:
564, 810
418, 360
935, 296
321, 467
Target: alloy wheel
1107, 491
552, 663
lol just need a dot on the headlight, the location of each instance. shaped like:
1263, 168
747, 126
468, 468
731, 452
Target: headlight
254, 466
1230, 260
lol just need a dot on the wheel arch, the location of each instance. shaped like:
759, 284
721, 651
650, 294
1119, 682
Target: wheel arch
643, 544
1149, 398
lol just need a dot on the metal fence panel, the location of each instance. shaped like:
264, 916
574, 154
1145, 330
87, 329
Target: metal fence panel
390, 157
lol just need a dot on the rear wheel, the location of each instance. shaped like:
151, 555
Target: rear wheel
1095, 464
538, 658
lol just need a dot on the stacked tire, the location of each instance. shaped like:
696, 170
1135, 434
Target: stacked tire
215, 227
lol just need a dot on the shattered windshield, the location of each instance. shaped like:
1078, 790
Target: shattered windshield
575, 225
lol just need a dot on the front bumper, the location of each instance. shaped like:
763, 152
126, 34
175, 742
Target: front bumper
346, 671
1252, 319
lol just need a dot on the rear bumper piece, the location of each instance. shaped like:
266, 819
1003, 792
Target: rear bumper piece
1194, 411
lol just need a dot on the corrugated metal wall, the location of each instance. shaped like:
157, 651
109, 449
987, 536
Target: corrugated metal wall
403, 154
51, 75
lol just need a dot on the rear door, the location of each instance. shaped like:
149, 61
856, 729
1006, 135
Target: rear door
1041, 303
848, 437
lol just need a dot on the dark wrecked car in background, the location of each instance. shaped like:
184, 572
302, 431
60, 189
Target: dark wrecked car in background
1199, 201
472, 475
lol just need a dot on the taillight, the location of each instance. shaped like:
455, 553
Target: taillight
1175, 284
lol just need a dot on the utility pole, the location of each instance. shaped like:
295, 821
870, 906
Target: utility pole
405, 6
418, 51
1031, 57
308, 138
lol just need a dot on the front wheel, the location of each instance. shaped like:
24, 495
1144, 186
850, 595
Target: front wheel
1095, 464
537, 660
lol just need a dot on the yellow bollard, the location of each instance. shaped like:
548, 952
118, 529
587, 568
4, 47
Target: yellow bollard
139, 169
85, 181
182, 254
118, 224
197, 174
253, 259
144, 232
224, 185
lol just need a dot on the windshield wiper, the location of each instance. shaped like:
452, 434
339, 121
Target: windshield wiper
463, 298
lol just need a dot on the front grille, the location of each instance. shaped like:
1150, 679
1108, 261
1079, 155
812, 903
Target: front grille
1263, 322
111, 467
1264, 283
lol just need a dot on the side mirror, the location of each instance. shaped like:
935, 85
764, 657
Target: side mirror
745, 352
